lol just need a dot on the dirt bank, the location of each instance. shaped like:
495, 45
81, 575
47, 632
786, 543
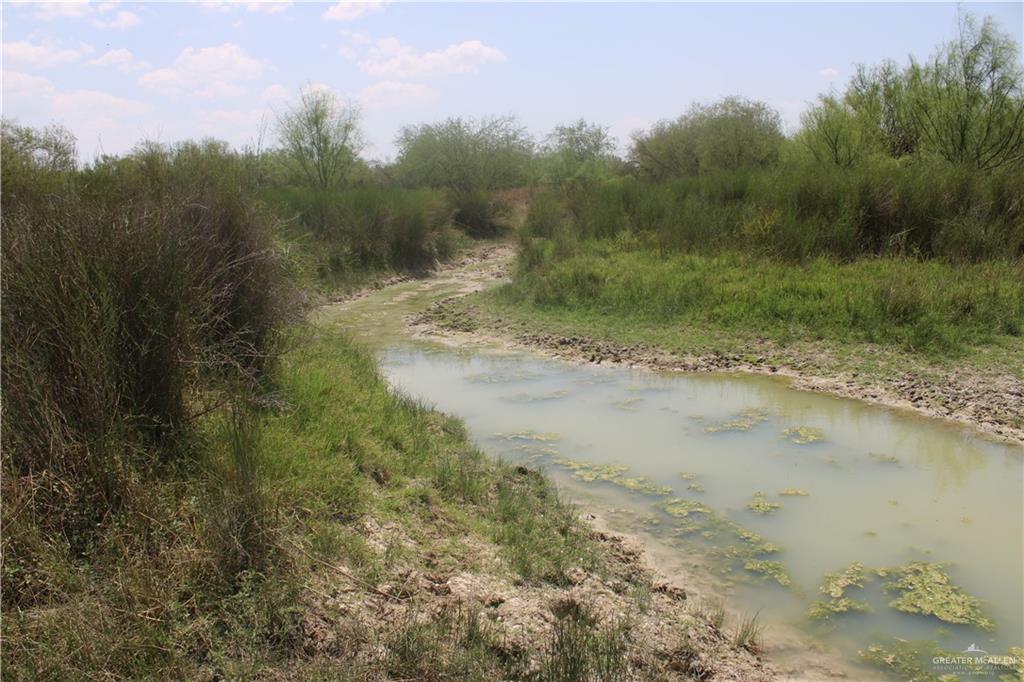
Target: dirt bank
668, 635
988, 400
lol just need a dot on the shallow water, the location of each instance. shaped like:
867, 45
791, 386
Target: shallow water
884, 487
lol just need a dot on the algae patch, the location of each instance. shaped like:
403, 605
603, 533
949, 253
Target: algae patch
627, 404
681, 508
528, 435
905, 660
802, 435
611, 473
835, 586
761, 505
772, 569
537, 397
793, 492
926, 588
743, 421
501, 377
883, 458
695, 487
641, 485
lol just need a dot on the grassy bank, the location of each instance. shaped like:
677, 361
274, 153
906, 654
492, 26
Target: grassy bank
929, 307
337, 529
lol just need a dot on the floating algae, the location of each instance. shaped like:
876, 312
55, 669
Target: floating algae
748, 535
772, 569
681, 508
587, 472
532, 452
501, 377
529, 435
883, 459
905, 659
687, 476
802, 435
537, 397
925, 588
744, 552
610, 473
794, 492
695, 487
761, 505
744, 421
627, 404
835, 586
641, 485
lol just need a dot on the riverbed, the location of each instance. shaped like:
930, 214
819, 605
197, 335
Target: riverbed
760, 489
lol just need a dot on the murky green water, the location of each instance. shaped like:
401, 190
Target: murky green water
684, 456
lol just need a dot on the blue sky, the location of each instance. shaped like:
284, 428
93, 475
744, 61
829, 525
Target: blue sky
115, 73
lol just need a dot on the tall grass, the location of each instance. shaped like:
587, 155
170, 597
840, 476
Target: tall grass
351, 232
801, 211
927, 306
116, 312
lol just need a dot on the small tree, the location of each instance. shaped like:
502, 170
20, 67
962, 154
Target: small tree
965, 105
35, 161
968, 101
730, 134
835, 133
578, 151
464, 155
53, 148
323, 136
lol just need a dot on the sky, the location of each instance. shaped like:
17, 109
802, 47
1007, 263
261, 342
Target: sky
117, 73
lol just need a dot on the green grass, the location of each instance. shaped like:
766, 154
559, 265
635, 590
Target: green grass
928, 307
211, 569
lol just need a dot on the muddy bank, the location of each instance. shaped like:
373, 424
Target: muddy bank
989, 401
667, 633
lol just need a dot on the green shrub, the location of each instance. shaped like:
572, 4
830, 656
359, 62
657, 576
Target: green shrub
136, 286
479, 215
365, 229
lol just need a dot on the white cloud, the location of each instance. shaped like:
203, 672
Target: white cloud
350, 10
354, 40
356, 37
829, 72
390, 58
393, 94
25, 94
275, 93
219, 71
121, 21
123, 60
259, 7
268, 7
64, 10
25, 55
71, 9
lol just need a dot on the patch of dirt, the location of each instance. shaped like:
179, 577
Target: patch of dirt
990, 401
666, 638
